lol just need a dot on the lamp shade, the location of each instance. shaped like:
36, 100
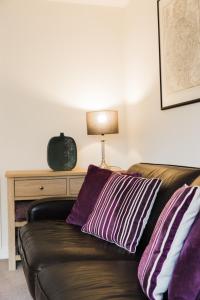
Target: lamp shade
102, 122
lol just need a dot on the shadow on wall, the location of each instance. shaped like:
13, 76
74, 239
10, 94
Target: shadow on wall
162, 136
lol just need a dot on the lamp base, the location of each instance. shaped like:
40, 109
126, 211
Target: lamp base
104, 165
112, 168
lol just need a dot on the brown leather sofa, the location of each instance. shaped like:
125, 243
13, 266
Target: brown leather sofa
62, 263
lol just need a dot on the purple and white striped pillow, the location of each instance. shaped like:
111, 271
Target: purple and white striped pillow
122, 210
159, 258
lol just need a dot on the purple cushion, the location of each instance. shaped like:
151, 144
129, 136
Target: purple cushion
159, 258
185, 283
122, 210
21, 209
90, 190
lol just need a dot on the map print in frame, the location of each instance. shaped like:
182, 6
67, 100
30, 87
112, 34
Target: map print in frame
179, 45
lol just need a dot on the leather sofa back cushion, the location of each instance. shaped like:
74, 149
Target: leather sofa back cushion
185, 283
90, 190
173, 177
122, 210
196, 182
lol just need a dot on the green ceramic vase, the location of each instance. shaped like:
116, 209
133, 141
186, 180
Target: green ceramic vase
62, 153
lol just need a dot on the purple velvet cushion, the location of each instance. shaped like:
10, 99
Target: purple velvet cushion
160, 256
21, 208
90, 190
185, 283
122, 210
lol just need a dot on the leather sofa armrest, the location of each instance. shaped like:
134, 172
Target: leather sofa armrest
50, 209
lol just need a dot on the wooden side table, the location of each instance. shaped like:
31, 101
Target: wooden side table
33, 185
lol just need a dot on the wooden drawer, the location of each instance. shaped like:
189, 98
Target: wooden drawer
74, 185
40, 187
24, 185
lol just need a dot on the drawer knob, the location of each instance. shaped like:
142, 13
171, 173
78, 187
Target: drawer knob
41, 187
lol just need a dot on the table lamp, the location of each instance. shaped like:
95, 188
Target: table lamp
100, 123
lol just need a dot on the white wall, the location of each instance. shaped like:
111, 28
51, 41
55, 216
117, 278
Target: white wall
56, 61
170, 136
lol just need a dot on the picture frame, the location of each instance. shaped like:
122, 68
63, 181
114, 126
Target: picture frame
179, 52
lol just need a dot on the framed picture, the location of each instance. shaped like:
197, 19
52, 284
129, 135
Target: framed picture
179, 50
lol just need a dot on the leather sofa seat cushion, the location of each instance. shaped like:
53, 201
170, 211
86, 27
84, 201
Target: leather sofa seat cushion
89, 280
44, 243
173, 177
50, 242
